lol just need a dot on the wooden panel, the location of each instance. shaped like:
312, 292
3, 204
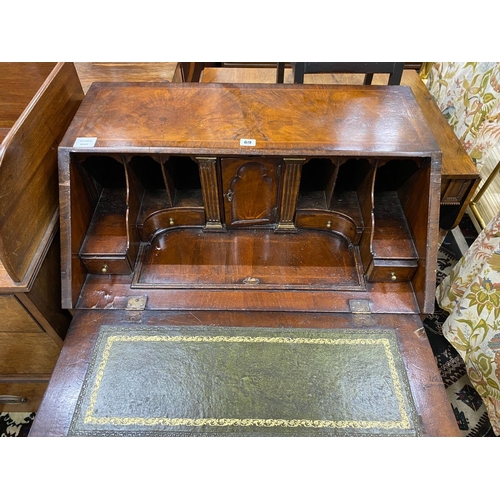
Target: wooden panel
23, 353
391, 234
90, 72
19, 82
250, 259
453, 191
14, 317
44, 298
260, 113
250, 191
28, 171
107, 233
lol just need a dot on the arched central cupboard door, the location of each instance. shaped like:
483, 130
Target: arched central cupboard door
250, 188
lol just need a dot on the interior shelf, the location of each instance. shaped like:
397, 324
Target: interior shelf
107, 232
391, 235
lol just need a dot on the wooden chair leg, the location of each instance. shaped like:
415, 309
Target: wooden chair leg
280, 72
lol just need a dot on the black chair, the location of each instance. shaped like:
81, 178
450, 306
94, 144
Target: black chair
393, 69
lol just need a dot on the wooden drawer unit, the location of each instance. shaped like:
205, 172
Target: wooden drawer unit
391, 270
329, 221
37, 103
106, 265
454, 191
171, 218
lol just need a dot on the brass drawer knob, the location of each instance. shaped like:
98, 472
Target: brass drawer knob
393, 277
104, 268
171, 221
329, 224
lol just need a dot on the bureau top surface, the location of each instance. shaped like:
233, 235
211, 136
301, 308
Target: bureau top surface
251, 119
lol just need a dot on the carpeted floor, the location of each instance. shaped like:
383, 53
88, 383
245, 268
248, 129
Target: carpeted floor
15, 424
467, 405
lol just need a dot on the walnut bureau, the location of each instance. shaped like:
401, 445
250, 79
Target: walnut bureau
248, 205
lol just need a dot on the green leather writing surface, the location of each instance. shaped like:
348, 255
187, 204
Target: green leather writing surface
214, 381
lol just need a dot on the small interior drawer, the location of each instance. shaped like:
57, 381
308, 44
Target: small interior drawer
107, 265
391, 270
329, 221
172, 218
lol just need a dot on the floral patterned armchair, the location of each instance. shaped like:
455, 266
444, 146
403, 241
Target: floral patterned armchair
468, 94
471, 294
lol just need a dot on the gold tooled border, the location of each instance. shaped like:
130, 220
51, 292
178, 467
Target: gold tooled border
89, 418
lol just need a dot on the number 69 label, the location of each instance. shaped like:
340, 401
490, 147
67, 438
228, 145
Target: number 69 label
248, 142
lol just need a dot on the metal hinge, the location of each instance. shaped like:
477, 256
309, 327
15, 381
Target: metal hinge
137, 303
360, 306
135, 307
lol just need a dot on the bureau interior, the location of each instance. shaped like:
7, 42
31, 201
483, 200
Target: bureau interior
378, 205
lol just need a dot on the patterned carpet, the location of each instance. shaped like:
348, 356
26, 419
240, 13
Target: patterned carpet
15, 424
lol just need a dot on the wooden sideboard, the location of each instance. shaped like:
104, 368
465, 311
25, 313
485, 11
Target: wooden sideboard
248, 205
37, 103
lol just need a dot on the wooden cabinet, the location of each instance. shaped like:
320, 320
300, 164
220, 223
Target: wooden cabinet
37, 103
247, 204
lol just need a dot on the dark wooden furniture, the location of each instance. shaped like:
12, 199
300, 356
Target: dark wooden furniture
393, 69
237, 205
37, 103
459, 175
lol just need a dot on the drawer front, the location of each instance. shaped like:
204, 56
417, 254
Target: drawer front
391, 271
171, 218
27, 353
453, 191
328, 221
106, 265
21, 396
